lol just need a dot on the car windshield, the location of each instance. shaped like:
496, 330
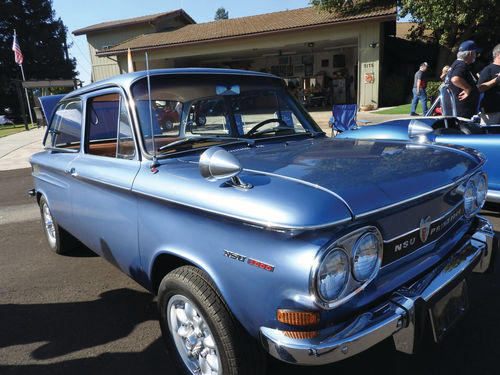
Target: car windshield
193, 110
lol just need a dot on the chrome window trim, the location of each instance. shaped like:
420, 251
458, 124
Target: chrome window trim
58, 149
105, 90
358, 286
48, 131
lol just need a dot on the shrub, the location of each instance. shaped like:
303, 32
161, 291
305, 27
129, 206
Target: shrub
433, 88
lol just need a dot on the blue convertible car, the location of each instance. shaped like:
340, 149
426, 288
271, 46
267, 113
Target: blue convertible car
258, 233
446, 129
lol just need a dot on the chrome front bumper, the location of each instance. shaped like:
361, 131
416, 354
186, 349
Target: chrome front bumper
397, 317
493, 196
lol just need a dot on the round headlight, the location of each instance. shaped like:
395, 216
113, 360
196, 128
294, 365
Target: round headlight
470, 198
333, 275
365, 260
482, 190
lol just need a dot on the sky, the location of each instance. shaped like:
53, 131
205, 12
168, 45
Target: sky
78, 14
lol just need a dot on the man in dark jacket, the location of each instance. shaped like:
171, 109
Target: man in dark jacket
489, 84
462, 80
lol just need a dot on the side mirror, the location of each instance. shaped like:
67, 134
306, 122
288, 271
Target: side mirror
218, 164
418, 128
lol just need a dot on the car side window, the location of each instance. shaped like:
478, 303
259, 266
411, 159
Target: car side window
109, 132
66, 125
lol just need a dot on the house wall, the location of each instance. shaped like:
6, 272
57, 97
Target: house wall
361, 61
105, 67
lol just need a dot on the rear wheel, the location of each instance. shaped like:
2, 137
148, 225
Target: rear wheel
201, 334
59, 240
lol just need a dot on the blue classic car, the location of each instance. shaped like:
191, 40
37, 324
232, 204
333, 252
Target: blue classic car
446, 129
260, 234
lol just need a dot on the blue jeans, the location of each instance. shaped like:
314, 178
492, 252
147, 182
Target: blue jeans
423, 99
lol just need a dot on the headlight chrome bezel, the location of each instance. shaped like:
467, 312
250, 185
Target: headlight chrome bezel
378, 259
347, 270
481, 179
477, 201
347, 244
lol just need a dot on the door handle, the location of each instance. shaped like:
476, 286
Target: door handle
72, 172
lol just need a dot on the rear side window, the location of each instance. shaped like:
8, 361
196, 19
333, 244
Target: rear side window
109, 132
66, 125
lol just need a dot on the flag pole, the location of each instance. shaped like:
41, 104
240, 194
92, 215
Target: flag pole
27, 97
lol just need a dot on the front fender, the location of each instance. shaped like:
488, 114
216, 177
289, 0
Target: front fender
231, 256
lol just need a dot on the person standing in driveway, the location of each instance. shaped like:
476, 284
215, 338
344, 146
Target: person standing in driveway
419, 93
462, 81
489, 84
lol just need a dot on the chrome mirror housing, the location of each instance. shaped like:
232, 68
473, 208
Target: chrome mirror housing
218, 164
417, 128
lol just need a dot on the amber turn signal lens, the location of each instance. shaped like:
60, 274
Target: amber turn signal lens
297, 318
300, 335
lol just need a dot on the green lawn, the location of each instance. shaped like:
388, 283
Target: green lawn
6, 130
403, 109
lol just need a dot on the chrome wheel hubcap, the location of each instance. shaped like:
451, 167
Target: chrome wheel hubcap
49, 225
192, 337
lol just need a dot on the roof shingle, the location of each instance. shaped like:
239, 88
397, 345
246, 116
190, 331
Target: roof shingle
132, 21
244, 26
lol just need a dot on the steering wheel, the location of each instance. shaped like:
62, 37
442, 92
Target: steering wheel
265, 122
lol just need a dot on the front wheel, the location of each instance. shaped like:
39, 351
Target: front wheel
201, 334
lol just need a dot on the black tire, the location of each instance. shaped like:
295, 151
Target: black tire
60, 241
236, 352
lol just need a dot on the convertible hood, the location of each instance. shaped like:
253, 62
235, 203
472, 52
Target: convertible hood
367, 175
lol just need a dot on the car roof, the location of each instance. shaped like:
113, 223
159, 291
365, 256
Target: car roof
125, 80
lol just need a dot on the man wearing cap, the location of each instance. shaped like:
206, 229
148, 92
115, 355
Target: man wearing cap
489, 84
462, 81
419, 93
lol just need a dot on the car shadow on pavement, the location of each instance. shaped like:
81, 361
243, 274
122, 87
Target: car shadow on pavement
152, 361
64, 328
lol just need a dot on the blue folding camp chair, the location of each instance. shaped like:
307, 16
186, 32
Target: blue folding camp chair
344, 118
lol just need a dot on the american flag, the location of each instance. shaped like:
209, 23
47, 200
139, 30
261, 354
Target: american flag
18, 55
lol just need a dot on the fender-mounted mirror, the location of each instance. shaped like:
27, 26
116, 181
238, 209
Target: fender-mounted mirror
218, 164
417, 128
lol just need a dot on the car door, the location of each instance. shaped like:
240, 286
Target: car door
62, 141
104, 207
488, 144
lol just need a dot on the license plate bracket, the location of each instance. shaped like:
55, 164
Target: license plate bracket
448, 310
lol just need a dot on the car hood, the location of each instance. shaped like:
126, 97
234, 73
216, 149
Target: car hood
309, 184
366, 175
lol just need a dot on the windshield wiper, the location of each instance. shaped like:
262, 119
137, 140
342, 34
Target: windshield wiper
183, 141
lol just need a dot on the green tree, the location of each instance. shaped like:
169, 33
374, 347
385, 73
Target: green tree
221, 14
42, 39
450, 21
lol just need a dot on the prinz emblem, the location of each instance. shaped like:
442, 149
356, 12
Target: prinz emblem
425, 226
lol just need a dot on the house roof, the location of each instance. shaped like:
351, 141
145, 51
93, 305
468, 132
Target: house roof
133, 21
289, 20
404, 29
